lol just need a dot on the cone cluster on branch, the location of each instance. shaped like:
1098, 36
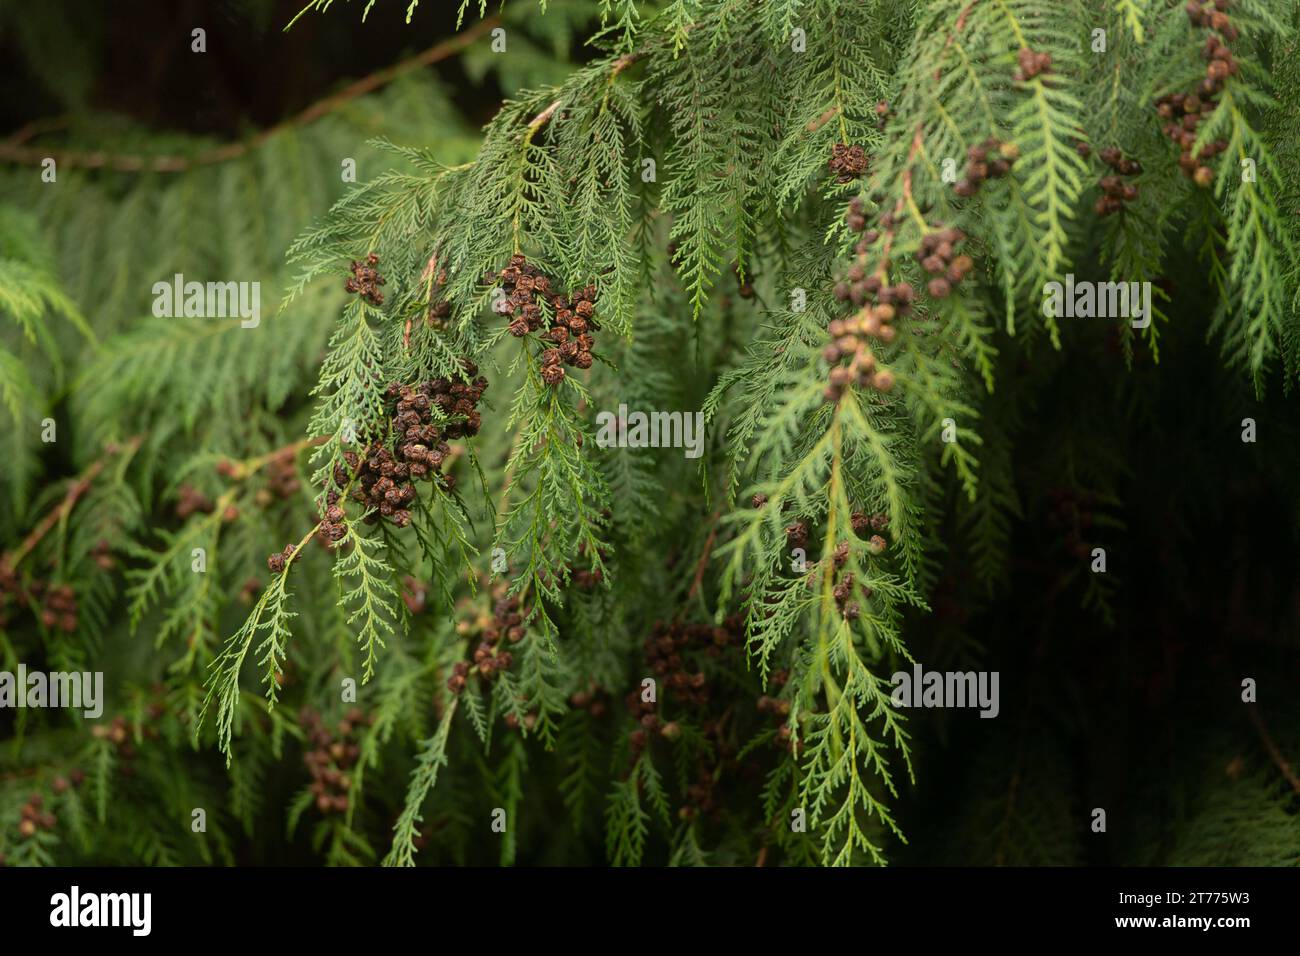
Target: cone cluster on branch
102, 553
1114, 191
593, 700
488, 662
533, 300
1184, 112
282, 479
1031, 64
842, 589
863, 525
54, 604
332, 756
366, 280
60, 608
701, 799
33, 817
665, 651
991, 159
120, 733
439, 308
938, 256
383, 480
507, 620
848, 162
778, 709
879, 304
588, 579
505, 625
278, 561
1212, 15
512, 721
189, 500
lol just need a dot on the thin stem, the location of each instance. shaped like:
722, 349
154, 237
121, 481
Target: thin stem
78, 488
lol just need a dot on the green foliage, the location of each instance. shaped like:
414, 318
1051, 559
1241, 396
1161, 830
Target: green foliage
679, 164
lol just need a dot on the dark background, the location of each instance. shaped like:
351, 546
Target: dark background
118, 57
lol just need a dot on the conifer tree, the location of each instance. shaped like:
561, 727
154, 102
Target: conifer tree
976, 321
